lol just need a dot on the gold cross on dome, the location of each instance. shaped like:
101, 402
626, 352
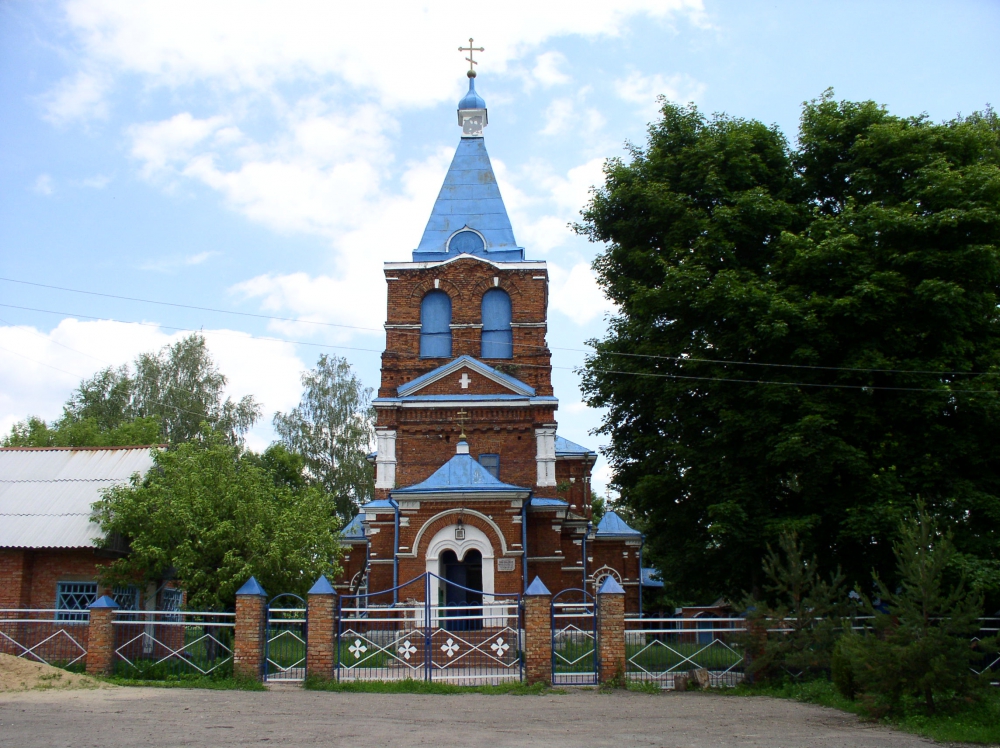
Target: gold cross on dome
462, 415
470, 49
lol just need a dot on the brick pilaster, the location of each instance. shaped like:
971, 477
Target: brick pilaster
537, 633
101, 637
251, 631
321, 644
611, 631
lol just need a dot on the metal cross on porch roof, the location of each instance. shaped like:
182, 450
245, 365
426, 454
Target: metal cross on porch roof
470, 49
461, 416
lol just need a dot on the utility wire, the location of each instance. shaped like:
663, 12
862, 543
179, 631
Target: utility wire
577, 370
678, 359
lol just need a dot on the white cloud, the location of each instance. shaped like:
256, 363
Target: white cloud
547, 69
575, 293
559, 117
78, 97
39, 370
642, 90
159, 145
43, 185
403, 53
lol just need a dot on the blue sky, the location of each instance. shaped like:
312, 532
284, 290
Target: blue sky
266, 157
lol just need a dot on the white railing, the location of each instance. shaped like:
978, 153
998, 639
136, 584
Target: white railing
658, 649
170, 644
45, 635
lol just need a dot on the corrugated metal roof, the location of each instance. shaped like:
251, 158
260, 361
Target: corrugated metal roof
46, 494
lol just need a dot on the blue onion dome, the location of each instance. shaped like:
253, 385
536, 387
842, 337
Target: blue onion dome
472, 100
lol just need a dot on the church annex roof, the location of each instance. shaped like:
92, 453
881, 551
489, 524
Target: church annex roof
566, 448
611, 525
354, 530
461, 474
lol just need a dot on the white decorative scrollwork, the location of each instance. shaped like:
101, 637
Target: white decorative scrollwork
450, 647
500, 647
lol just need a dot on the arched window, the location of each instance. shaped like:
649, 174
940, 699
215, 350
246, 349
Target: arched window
466, 241
435, 325
498, 340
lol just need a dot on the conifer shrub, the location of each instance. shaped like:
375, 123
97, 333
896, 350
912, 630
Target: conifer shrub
795, 627
913, 649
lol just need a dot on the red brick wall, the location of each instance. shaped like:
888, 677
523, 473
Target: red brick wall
465, 281
28, 578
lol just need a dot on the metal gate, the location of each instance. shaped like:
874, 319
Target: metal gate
287, 632
412, 632
574, 638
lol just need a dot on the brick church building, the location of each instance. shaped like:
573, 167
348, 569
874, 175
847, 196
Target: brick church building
473, 481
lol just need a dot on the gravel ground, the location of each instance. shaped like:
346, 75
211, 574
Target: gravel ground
291, 717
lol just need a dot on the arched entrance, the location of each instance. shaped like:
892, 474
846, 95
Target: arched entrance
463, 585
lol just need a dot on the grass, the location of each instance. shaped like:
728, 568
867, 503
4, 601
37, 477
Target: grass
191, 681
965, 722
408, 685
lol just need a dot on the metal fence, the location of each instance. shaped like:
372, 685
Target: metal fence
574, 638
988, 662
400, 633
657, 649
287, 635
173, 645
44, 635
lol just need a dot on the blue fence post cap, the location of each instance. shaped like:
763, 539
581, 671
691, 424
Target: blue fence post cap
252, 587
610, 587
537, 587
322, 587
104, 601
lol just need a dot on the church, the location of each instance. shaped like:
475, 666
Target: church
473, 482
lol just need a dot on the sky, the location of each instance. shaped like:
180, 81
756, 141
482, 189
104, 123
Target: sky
265, 158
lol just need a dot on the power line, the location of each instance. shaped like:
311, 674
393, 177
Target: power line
578, 370
652, 356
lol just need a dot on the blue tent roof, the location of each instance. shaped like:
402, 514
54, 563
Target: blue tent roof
469, 198
566, 447
461, 474
354, 530
650, 578
612, 525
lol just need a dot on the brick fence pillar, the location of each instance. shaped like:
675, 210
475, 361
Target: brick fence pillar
101, 636
251, 631
321, 643
537, 633
611, 631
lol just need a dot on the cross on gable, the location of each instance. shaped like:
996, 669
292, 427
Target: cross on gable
464, 380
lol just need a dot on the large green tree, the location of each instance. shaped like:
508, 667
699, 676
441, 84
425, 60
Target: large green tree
806, 339
333, 429
162, 396
211, 515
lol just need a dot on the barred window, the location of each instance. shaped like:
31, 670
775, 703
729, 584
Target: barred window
126, 597
73, 599
170, 599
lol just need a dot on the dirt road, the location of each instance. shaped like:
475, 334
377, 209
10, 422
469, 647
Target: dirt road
163, 717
